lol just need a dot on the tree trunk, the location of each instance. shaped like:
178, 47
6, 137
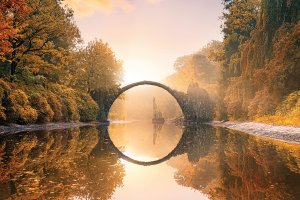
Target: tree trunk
13, 67
14, 62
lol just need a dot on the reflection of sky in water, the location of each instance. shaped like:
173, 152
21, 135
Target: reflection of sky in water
143, 140
153, 182
209, 162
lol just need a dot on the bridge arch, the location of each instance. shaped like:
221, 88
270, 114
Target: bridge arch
160, 85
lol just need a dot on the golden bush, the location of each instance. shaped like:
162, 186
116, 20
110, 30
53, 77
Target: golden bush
76, 105
287, 113
87, 107
45, 113
263, 103
70, 111
56, 105
73, 113
18, 108
290, 104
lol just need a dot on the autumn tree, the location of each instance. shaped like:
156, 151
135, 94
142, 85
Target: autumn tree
196, 75
199, 106
40, 34
96, 70
7, 28
260, 61
240, 19
103, 70
195, 67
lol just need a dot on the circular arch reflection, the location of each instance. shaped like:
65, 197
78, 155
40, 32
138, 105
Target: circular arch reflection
172, 153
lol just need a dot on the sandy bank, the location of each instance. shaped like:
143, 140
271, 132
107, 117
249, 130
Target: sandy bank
284, 133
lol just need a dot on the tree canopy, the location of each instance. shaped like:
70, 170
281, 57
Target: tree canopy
47, 67
259, 59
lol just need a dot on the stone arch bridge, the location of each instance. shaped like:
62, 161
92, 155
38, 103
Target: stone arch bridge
179, 97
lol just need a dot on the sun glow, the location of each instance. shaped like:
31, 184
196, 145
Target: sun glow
132, 155
152, 182
139, 70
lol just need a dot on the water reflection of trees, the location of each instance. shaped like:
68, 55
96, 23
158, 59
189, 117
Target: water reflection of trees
197, 142
230, 165
58, 164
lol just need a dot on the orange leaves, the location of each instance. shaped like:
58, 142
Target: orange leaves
35, 27
9, 11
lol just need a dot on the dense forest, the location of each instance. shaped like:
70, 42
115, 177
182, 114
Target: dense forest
254, 74
47, 73
260, 61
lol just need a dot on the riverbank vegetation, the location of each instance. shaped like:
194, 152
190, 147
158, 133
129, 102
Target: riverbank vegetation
47, 74
196, 77
254, 73
260, 61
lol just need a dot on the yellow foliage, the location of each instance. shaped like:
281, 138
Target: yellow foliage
2, 114
45, 113
58, 103
70, 105
261, 46
263, 103
291, 104
287, 113
19, 109
55, 103
278, 120
4, 85
88, 108
2, 108
72, 110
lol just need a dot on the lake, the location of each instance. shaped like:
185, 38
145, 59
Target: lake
140, 160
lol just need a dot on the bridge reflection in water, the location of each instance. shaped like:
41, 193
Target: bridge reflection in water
84, 163
178, 149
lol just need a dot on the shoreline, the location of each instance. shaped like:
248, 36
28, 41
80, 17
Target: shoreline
16, 128
290, 134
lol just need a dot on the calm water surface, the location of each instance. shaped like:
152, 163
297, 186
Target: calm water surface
142, 161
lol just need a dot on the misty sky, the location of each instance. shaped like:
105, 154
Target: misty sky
148, 35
